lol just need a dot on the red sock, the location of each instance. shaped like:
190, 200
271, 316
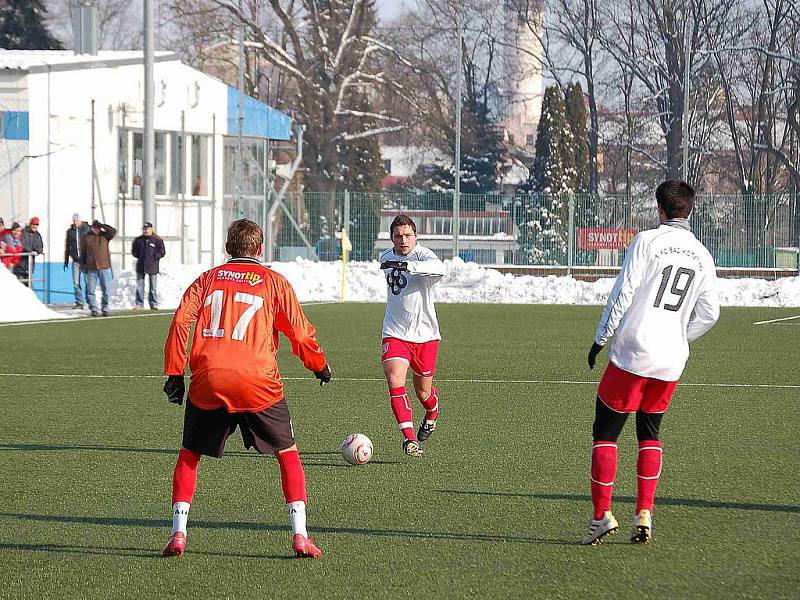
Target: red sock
604, 470
401, 407
648, 470
431, 404
184, 480
293, 478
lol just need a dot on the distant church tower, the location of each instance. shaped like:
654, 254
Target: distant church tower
523, 80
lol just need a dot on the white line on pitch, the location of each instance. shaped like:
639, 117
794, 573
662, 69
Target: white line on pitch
84, 317
380, 379
776, 320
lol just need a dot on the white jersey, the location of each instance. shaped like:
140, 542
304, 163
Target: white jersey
410, 314
664, 297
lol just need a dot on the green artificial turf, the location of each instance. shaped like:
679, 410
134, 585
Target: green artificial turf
493, 510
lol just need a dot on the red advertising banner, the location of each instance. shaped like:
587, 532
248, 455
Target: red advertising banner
593, 238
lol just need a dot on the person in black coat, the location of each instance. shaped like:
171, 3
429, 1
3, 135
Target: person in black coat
33, 245
148, 249
72, 250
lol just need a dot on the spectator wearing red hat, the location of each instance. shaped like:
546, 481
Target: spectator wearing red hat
32, 244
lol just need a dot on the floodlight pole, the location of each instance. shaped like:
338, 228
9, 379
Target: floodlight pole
148, 174
240, 145
457, 191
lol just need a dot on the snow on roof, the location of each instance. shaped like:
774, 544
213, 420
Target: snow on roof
26, 60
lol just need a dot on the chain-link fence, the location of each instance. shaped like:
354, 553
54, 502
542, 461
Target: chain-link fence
581, 231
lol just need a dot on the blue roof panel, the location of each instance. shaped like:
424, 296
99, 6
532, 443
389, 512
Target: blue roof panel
260, 120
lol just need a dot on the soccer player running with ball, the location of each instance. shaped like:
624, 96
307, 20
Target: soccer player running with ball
410, 336
238, 308
664, 297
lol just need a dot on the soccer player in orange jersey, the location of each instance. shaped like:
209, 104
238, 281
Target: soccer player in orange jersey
238, 308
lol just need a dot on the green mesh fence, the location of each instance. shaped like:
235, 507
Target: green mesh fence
531, 230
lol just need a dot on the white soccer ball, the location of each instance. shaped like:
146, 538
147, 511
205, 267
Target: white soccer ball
357, 449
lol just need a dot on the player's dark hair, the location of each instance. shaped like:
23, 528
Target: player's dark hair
244, 238
401, 220
676, 198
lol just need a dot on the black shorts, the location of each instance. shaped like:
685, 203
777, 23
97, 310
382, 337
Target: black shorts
206, 431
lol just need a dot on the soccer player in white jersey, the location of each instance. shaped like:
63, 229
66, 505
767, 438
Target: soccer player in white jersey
665, 297
410, 336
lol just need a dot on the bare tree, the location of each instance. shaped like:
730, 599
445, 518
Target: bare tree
328, 54
758, 70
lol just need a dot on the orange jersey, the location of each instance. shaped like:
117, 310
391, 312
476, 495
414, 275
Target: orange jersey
239, 309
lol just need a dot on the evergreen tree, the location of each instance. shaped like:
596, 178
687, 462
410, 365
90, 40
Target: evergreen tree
546, 173
543, 219
579, 147
22, 26
482, 150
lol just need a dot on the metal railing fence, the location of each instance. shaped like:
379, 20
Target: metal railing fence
558, 230
23, 266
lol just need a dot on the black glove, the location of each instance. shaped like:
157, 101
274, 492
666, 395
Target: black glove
593, 352
175, 389
324, 375
400, 265
66, 266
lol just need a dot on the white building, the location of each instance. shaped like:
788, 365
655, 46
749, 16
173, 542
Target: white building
402, 162
72, 141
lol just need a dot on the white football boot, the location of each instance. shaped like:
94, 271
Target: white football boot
642, 532
599, 528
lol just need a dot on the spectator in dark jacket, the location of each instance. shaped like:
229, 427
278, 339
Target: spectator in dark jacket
72, 249
32, 244
148, 249
96, 263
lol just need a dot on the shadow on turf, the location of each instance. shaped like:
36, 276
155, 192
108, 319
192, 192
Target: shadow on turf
251, 526
691, 502
132, 552
174, 452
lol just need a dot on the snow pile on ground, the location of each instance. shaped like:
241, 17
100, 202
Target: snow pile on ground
172, 282
322, 282
19, 303
464, 282
760, 292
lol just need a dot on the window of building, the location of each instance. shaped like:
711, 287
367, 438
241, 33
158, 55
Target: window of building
138, 164
160, 160
177, 164
229, 168
254, 164
122, 162
199, 165
530, 139
387, 165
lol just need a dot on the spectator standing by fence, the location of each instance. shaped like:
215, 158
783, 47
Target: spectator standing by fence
96, 263
72, 250
148, 249
32, 244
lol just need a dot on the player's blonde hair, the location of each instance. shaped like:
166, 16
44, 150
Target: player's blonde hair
244, 239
